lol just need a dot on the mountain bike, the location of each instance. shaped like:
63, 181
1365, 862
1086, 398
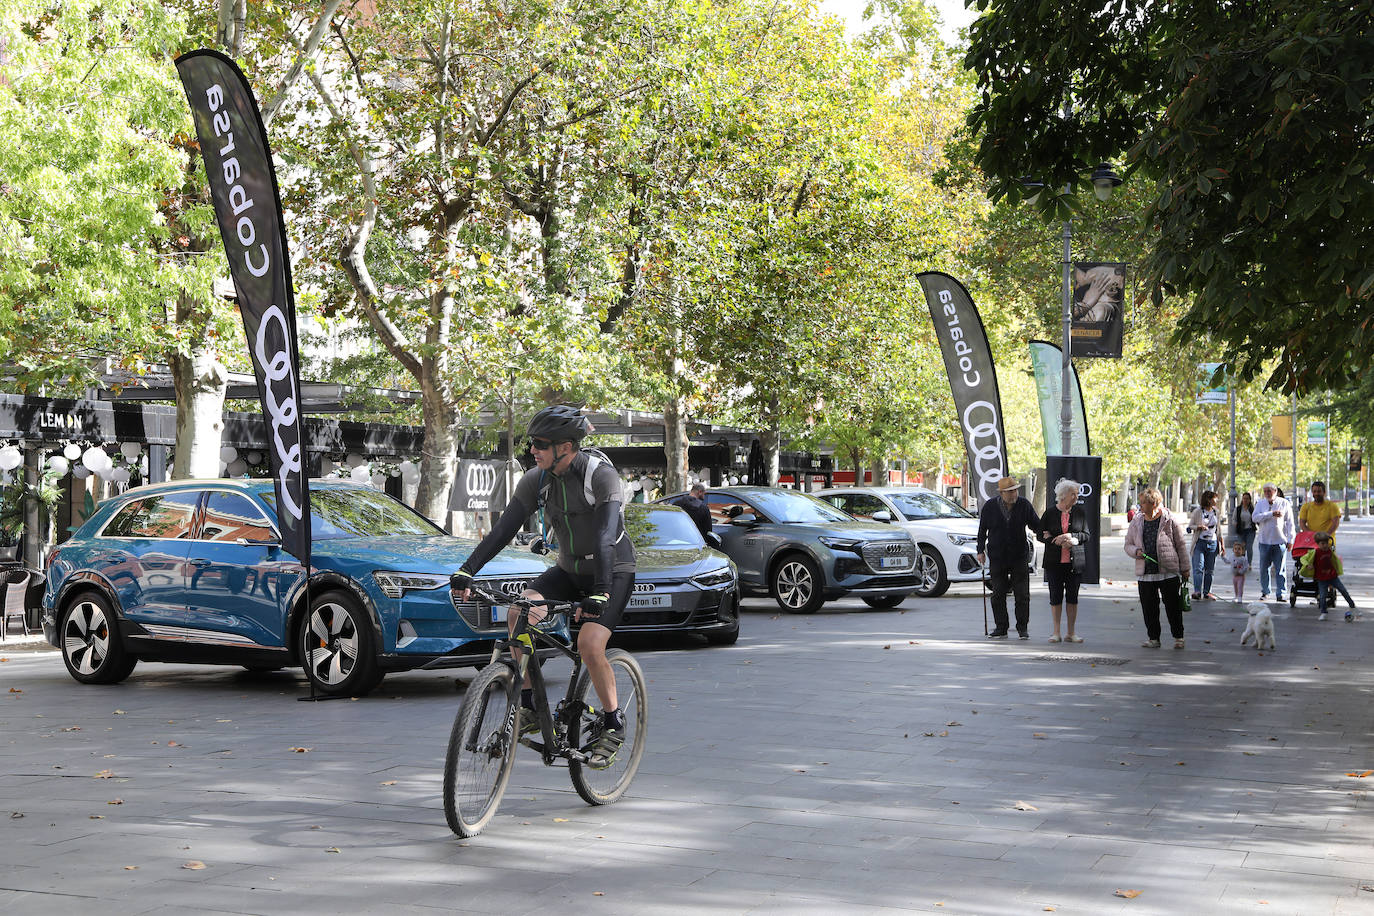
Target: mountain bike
481, 747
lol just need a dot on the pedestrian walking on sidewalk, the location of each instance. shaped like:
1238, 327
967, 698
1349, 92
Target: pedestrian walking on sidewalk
1274, 516
1064, 526
1245, 527
1002, 546
1324, 567
1205, 544
1156, 543
1239, 567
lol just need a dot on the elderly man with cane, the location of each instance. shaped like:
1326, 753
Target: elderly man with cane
1002, 550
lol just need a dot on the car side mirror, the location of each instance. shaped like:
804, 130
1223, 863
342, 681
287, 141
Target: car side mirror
745, 519
713, 540
882, 515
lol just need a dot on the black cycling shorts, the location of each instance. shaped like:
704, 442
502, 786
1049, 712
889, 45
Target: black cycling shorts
557, 584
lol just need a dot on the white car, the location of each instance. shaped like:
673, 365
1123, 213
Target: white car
945, 533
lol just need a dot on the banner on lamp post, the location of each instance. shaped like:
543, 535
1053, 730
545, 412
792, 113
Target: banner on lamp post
972, 380
243, 187
1087, 471
1210, 391
1047, 365
1099, 309
479, 487
1316, 432
1281, 432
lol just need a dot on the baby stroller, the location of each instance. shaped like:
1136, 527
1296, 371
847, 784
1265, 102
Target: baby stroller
1305, 541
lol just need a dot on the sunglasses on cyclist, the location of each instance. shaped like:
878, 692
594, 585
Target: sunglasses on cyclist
541, 445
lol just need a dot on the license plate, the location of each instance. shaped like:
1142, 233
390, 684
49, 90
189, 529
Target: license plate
651, 601
498, 613
892, 562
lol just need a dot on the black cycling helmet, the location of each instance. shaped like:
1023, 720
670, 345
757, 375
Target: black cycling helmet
559, 423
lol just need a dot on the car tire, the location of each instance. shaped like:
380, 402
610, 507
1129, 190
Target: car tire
797, 584
91, 645
884, 602
337, 646
930, 573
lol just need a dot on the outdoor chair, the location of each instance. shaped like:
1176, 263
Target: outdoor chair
12, 600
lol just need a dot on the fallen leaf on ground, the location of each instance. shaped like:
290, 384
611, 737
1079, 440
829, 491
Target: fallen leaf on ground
302, 750
929, 734
389, 782
1361, 775
104, 774
332, 849
17, 690
115, 801
953, 724
193, 865
1025, 806
598, 894
74, 728
944, 734
131, 868
1037, 734
119, 712
560, 820
97, 817
173, 744
16, 814
1127, 894
1049, 909
885, 647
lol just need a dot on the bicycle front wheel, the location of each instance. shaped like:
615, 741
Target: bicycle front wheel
601, 786
481, 749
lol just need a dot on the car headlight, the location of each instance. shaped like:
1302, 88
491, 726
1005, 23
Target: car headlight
715, 578
962, 540
396, 584
840, 543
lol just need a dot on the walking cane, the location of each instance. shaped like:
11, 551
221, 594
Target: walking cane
984, 580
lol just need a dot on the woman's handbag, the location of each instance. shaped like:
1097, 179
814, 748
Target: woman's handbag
1185, 598
1078, 558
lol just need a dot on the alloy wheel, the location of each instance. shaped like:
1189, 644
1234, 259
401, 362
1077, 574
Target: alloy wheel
334, 643
795, 584
86, 637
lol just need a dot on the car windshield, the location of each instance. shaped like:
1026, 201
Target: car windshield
661, 528
927, 505
787, 506
353, 512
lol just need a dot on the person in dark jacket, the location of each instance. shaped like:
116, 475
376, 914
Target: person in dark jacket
694, 504
1063, 527
1002, 550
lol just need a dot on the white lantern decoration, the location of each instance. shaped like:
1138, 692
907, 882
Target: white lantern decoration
228, 454
118, 475
379, 480
94, 458
130, 451
71, 451
394, 472
10, 458
80, 471
360, 473
60, 466
355, 460
406, 466
236, 468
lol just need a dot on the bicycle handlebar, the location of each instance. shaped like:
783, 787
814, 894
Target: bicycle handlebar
496, 598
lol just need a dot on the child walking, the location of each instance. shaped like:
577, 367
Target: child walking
1324, 567
1239, 567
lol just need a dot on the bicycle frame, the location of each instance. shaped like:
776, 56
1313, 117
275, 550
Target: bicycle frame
555, 744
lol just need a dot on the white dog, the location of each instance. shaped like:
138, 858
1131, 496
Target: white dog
1260, 627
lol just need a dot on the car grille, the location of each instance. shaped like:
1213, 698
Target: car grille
875, 552
471, 611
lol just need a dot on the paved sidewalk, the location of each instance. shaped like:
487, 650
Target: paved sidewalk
849, 762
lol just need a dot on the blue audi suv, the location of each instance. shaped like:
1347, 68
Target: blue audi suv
194, 571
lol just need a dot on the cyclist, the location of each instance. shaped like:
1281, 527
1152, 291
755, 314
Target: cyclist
577, 494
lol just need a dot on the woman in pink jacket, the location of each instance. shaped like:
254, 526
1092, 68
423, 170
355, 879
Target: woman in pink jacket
1156, 542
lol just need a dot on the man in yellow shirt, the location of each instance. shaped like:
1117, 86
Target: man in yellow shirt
1319, 513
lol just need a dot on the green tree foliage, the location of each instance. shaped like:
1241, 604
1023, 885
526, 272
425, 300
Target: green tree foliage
1251, 119
99, 232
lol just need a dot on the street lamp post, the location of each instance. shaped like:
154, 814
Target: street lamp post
1105, 181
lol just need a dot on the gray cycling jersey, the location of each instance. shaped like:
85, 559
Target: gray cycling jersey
570, 502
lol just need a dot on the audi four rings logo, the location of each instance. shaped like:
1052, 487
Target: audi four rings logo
481, 479
641, 587
985, 448
512, 587
894, 549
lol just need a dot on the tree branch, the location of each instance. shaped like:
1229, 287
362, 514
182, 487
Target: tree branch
303, 57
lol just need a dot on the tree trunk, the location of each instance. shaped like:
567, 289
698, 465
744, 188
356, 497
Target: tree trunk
770, 440
439, 461
675, 441
856, 459
199, 379
878, 465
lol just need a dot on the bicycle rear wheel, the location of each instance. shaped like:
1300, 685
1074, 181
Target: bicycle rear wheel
603, 786
481, 749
